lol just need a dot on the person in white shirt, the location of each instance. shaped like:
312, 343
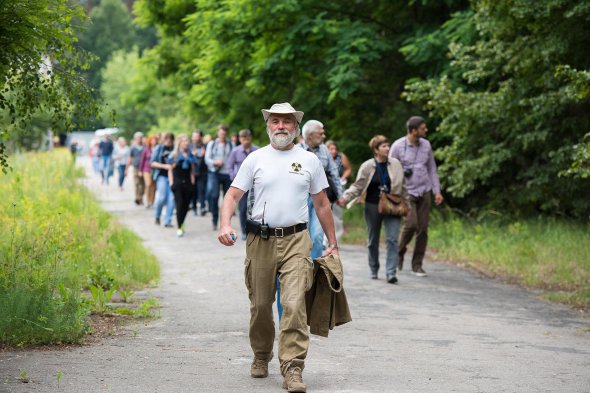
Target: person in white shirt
281, 176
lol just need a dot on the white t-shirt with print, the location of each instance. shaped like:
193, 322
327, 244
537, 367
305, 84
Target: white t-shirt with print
283, 179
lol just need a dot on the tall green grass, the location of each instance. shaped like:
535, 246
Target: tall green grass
54, 238
545, 253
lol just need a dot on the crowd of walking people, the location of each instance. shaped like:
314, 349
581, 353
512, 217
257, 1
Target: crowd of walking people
182, 174
306, 185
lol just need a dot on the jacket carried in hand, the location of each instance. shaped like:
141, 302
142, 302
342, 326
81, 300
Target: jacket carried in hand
326, 302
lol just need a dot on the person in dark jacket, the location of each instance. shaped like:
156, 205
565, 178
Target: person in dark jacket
182, 179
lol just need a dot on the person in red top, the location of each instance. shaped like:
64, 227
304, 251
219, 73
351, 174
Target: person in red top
146, 170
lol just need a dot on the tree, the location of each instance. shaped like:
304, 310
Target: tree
338, 63
38, 60
510, 117
140, 100
110, 29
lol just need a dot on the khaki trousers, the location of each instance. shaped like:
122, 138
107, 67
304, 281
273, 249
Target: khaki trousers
150, 188
139, 184
416, 222
289, 257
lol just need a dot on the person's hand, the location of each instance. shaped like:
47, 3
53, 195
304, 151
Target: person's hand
331, 250
227, 235
341, 202
438, 198
218, 163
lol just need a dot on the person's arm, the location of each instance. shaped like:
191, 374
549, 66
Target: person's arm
358, 186
170, 166
230, 201
333, 173
142, 159
431, 165
130, 157
347, 167
394, 152
208, 155
231, 161
322, 208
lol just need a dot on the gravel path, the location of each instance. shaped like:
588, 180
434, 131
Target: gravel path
453, 331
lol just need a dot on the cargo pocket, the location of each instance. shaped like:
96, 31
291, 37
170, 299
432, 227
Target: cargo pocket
247, 276
308, 273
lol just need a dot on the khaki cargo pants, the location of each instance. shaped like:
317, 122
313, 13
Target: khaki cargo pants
289, 257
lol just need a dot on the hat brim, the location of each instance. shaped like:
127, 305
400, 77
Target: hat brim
267, 112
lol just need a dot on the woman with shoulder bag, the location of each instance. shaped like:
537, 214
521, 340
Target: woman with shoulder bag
380, 185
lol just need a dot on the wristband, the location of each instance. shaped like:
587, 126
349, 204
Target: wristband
332, 245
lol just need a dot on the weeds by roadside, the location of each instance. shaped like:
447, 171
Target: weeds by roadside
55, 243
544, 253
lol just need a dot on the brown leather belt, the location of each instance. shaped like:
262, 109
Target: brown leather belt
255, 227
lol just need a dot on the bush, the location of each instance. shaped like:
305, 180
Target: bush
57, 241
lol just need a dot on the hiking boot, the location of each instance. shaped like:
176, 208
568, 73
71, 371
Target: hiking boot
392, 280
259, 368
419, 272
293, 381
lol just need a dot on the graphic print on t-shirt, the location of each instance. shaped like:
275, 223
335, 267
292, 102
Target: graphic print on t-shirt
296, 168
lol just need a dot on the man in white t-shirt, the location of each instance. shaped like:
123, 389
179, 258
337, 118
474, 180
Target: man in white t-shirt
281, 176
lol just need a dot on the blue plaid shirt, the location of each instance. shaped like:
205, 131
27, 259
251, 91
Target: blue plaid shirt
330, 167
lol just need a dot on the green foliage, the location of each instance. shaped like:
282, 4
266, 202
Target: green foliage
101, 298
56, 236
100, 276
38, 59
546, 253
511, 110
338, 63
127, 295
146, 309
110, 29
141, 100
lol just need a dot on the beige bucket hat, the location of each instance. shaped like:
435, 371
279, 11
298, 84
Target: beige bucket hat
283, 109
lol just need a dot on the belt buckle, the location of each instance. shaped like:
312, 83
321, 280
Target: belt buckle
277, 232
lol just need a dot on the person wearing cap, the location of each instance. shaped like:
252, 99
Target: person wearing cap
281, 176
313, 141
137, 148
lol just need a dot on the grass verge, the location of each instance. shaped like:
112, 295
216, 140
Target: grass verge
543, 253
56, 241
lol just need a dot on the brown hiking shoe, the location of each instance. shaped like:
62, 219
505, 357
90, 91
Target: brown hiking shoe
293, 381
259, 368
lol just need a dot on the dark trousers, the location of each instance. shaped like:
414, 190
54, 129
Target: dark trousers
244, 212
416, 223
183, 193
214, 181
199, 191
391, 224
121, 169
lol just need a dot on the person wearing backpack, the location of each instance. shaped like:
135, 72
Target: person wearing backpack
164, 195
216, 156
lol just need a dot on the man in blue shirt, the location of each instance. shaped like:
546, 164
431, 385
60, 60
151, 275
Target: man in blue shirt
236, 158
106, 148
313, 141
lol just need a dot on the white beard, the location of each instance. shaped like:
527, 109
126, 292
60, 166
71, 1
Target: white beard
281, 140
